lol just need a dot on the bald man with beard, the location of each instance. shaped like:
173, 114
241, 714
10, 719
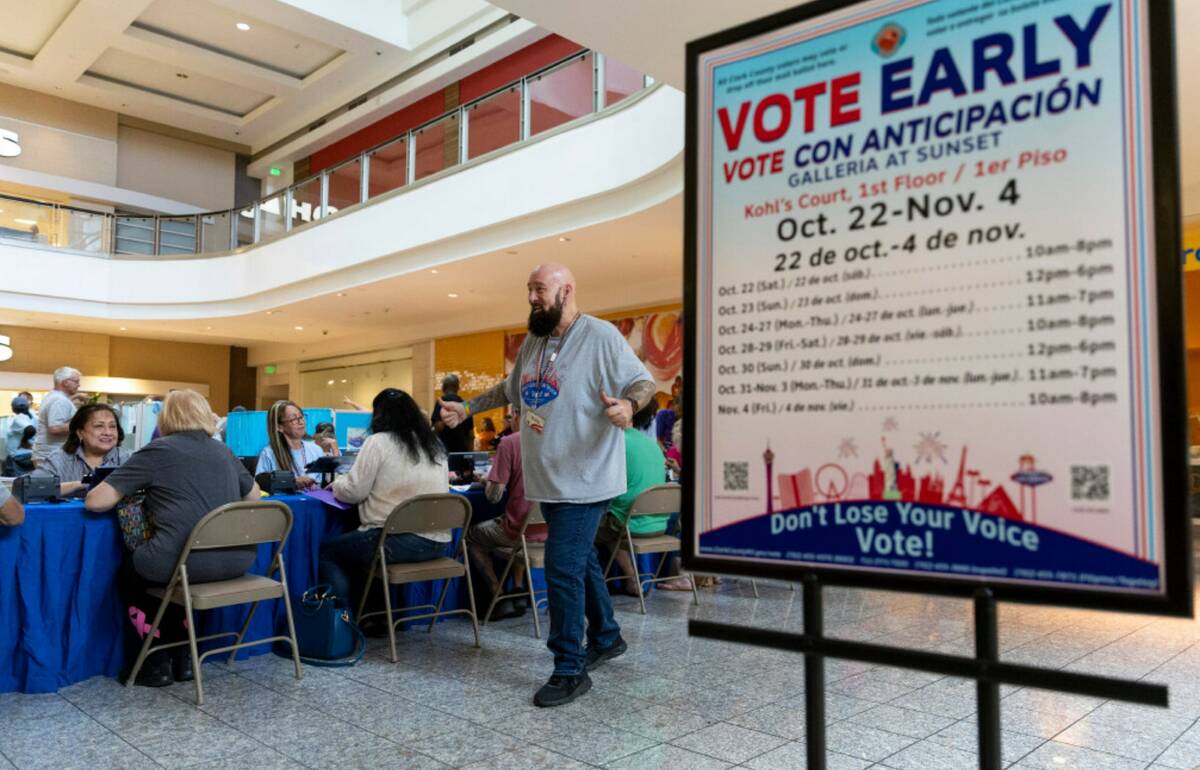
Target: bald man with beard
578, 384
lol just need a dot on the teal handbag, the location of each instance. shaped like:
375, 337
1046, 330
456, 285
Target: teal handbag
326, 633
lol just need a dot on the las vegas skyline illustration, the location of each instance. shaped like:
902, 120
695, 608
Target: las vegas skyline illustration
889, 481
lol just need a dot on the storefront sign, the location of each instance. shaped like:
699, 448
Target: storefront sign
933, 277
10, 143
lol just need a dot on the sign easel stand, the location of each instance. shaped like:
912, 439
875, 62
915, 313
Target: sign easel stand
985, 668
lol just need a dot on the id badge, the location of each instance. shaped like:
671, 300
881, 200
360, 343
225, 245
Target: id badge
535, 421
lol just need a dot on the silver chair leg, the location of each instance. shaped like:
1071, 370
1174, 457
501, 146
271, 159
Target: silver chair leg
500, 590
287, 610
754, 585
637, 572
241, 634
438, 609
695, 593
470, 592
533, 605
191, 629
362, 603
387, 603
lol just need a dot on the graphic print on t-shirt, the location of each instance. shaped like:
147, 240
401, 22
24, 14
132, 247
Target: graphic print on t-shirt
539, 391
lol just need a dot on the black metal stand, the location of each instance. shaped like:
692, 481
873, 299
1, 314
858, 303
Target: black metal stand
814, 675
986, 668
987, 694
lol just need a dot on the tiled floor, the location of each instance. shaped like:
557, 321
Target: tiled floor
671, 702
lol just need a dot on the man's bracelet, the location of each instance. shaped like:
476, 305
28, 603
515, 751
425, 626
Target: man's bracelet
467, 409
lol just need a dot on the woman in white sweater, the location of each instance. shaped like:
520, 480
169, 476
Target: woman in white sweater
401, 458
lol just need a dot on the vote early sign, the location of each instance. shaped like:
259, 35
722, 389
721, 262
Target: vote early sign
933, 273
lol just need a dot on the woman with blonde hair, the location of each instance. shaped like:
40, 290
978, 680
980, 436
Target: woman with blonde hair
184, 475
286, 447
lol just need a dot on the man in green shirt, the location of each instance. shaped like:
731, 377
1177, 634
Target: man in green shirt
645, 466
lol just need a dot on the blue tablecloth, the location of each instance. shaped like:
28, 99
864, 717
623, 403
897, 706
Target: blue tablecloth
61, 620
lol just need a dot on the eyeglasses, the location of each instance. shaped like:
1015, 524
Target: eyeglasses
293, 421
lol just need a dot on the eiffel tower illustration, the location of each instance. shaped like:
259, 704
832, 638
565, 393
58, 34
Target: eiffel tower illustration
958, 495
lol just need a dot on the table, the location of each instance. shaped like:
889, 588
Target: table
60, 617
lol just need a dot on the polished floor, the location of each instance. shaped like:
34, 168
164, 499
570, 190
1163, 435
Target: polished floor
671, 702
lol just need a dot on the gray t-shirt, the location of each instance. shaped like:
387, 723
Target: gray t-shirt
578, 456
185, 476
57, 410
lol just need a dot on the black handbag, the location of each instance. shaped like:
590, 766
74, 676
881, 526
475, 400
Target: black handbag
326, 634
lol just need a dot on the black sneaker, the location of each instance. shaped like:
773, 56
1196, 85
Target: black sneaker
155, 670
596, 656
561, 690
181, 665
505, 609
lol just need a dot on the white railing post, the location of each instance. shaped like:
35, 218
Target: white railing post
287, 209
410, 158
324, 195
525, 127
257, 221
463, 135
364, 177
597, 81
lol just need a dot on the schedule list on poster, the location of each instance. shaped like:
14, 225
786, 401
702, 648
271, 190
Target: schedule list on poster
821, 326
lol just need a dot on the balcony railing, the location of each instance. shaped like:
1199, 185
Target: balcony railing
579, 85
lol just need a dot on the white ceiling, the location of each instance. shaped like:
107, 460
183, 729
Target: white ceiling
185, 63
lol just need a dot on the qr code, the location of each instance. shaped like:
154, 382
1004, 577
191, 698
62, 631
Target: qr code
737, 477
1089, 482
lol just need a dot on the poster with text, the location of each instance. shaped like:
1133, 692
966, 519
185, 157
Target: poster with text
927, 308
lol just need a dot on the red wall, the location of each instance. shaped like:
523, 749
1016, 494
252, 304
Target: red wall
512, 67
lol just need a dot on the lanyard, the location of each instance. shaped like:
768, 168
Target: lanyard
542, 373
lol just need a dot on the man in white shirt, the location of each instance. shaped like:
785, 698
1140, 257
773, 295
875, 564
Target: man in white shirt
56, 413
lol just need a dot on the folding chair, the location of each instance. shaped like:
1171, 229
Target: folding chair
230, 526
530, 555
657, 500
418, 515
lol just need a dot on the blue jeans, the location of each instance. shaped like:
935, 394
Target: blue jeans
575, 585
344, 559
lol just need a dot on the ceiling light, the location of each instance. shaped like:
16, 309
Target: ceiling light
433, 271
298, 328
343, 382
124, 329
329, 383
269, 312
243, 26
341, 293
208, 328
452, 296
25, 221
563, 239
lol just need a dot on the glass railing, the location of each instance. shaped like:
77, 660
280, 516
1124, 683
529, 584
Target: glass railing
579, 85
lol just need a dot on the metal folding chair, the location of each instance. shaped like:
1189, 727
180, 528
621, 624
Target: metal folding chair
530, 555
230, 526
658, 500
418, 515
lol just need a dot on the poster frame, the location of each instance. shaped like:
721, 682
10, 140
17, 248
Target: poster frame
1177, 597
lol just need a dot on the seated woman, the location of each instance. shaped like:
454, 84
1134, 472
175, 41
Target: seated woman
485, 437
286, 447
184, 474
401, 458
93, 441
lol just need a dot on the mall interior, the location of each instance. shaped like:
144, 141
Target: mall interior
312, 201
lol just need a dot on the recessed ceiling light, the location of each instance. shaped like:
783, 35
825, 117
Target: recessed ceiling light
243, 26
433, 271
343, 381
329, 383
452, 296
25, 221
341, 293
298, 328
208, 328
270, 312
563, 239
124, 329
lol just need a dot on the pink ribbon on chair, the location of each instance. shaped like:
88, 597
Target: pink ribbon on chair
138, 619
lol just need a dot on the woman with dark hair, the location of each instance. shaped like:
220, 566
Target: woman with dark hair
401, 458
286, 447
93, 441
